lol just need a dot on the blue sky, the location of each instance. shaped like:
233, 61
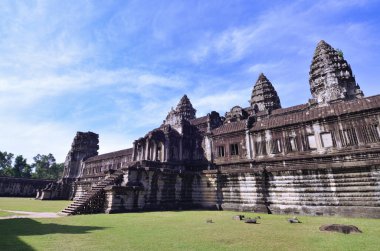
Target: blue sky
117, 67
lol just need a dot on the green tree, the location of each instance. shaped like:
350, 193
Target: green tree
21, 168
6, 160
45, 167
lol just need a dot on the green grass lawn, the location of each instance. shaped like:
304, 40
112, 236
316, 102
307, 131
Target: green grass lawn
30, 204
4, 214
184, 230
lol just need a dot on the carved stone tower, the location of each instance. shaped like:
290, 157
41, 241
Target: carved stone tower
185, 108
264, 96
331, 77
183, 111
84, 146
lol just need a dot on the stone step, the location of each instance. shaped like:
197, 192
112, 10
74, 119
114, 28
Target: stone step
80, 201
77, 205
68, 211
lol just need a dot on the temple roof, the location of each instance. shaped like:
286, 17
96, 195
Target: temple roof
200, 120
264, 96
230, 127
300, 114
111, 155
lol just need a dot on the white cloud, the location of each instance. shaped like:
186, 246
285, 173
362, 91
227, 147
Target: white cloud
24, 138
267, 67
221, 101
279, 28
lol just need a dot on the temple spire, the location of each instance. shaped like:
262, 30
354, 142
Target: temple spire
331, 77
185, 108
264, 96
183, 111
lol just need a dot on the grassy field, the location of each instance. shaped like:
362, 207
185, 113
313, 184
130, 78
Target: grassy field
184, 230
30, 204
5, 214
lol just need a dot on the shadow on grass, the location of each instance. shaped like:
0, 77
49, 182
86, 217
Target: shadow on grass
11, 229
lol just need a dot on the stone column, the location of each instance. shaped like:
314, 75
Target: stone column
167, 147
134, 153
180, 149
146, 149
248, 144
154, 155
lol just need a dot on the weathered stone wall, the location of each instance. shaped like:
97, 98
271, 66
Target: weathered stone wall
333, 191
18, 187
296, 188
345, 190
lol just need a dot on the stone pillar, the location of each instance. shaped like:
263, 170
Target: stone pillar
167, 147
134, 153
180, 149
252, 140
248, 144
146, 149
154, 154
208, 146
249, 147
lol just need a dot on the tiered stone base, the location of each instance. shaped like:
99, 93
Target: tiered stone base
346, 191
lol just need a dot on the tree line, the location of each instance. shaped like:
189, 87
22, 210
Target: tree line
43, 166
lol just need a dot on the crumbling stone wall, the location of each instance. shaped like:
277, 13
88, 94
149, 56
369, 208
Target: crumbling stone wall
18, 187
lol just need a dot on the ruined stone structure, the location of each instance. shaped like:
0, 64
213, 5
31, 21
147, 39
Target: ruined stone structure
21, 187
318, 158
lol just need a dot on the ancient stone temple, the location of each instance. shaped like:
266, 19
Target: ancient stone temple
321, 157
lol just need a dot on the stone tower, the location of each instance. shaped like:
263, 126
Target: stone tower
264, 96
185, 108
84, 146
183, 111
331, 77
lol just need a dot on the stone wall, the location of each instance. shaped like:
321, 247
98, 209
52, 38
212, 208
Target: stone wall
18, 187
333, 191
347, 190
150, 189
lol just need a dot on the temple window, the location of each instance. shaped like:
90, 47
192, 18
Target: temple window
221, 151
327, 139
311, 142
234, 149
348, 137
276, 146
292, 144
260, 148
370, 133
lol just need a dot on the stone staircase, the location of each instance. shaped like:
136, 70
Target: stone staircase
92, 201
